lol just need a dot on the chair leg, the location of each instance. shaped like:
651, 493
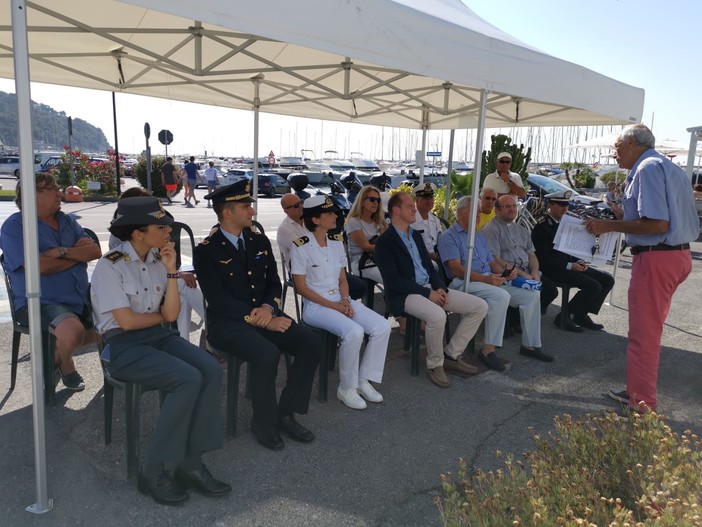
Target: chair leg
565, 314
16, 336
48, 347
414, 327
132, 394
370, 293
233, 370
109, 395
323, 390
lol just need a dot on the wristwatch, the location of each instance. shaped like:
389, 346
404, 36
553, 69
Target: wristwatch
63, 252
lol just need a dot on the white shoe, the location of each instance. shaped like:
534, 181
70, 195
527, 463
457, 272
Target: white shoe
351, 399
369, 393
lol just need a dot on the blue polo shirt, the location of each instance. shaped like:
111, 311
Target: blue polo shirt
420, 273
191, 170
453, 244
69, 287
658, 189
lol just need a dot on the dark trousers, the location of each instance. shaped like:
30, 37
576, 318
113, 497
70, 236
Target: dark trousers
190, 422
593, 285
261, 349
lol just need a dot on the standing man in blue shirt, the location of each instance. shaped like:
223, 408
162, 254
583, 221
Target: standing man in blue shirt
659, 221
64, 252
413, 286
191, 169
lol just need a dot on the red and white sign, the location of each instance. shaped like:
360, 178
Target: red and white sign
271, 158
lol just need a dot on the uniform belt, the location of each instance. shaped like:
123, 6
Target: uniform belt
660, 247
331, 292
111, 333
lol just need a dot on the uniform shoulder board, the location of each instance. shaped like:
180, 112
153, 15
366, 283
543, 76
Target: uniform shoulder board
301, 241
338, 237
206, 241
115, 256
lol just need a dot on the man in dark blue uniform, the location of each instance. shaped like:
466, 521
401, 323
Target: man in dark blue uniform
238, 276
557, 266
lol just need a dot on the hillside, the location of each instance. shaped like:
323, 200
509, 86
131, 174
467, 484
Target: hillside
50, 128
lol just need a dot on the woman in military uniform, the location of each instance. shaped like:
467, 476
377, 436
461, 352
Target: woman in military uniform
319, 271
134, 291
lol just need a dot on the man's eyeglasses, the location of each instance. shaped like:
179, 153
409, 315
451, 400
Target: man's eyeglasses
505, 160
50, 188
293, 206
489, 198
373, 200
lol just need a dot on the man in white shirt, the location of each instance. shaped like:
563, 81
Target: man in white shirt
292, 228
503, 181
426, 222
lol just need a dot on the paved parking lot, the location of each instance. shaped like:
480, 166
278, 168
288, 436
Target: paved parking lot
378, 467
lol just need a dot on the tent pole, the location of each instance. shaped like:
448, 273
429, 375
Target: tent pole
30, 238
114, 121
256, 105
447, 197
476, 183
425, 127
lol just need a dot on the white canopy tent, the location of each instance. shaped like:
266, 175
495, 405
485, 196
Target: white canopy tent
405, 63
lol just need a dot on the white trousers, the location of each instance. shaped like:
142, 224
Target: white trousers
471, 307
498, 299
190, 298
351, 332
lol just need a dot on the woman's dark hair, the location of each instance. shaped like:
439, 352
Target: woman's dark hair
124, 232
135, 192
309, 224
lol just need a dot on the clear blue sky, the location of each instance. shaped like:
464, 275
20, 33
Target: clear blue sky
649, 44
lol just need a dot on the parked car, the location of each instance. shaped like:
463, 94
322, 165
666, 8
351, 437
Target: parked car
272, 184
542, 185
236, 174
10, 165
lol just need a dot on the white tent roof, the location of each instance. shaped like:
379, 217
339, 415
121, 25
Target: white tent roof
368, 61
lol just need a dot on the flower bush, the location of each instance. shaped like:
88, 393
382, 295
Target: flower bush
596, 471
85, 169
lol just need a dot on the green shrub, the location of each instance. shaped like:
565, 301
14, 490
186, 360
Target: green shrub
440, 202
618, 176
591, 472
85, 170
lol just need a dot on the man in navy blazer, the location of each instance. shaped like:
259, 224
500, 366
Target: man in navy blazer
413, 286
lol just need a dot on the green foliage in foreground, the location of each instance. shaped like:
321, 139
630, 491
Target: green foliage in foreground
591, 472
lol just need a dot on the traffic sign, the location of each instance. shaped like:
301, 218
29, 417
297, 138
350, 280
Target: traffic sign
433, 154
147, 130
165, 137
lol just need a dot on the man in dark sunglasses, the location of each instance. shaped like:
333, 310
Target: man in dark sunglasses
503, 181
488, 198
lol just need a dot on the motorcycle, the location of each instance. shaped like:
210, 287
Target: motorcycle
337, 194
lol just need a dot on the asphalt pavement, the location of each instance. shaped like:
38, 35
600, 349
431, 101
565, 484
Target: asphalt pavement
377, 467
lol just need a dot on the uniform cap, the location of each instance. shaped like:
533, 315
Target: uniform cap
426, 190
315, 205
142, 210
562, 196
239, 192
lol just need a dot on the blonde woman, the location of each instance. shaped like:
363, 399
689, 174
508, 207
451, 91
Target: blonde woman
365, 222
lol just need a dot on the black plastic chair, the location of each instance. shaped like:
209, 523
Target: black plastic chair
565, 296
132, 406
177, 229
288, 284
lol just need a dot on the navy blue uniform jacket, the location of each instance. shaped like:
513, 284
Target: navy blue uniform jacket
234, 284
397, 269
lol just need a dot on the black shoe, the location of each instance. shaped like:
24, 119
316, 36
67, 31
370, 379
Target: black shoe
570, 325
588, 323
202, 481
491, 361
621, 397
536, 353
267, 435
295, 430
73, 381
162, 488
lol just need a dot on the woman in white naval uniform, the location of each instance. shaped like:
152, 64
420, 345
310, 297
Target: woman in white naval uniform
318, 268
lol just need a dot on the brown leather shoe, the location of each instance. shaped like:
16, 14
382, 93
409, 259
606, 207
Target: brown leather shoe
459, 365
438, 376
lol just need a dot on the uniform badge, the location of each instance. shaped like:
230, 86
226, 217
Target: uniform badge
338, 237
116, 256
301, 241
225, 262
206, 241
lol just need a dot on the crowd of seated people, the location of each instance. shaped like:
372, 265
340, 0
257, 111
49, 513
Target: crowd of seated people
137, 293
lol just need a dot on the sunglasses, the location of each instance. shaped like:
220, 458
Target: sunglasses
505, 161
489, 198
373, 200
294, 206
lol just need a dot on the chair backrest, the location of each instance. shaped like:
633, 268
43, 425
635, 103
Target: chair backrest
258, 227
92, 235
444, 224
177, 229
10, 297
442, 269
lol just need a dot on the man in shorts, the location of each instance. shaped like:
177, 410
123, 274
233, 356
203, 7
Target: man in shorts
169, 177
191, 172
64, 253
211, 178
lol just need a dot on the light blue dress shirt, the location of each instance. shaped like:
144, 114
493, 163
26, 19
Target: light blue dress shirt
420, 273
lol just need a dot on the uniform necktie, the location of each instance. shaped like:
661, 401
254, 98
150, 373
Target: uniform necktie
240, 245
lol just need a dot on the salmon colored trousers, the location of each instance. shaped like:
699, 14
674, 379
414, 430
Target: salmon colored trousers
655, 276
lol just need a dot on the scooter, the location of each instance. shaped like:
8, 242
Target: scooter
300, 185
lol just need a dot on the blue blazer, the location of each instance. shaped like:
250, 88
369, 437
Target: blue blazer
396, 267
